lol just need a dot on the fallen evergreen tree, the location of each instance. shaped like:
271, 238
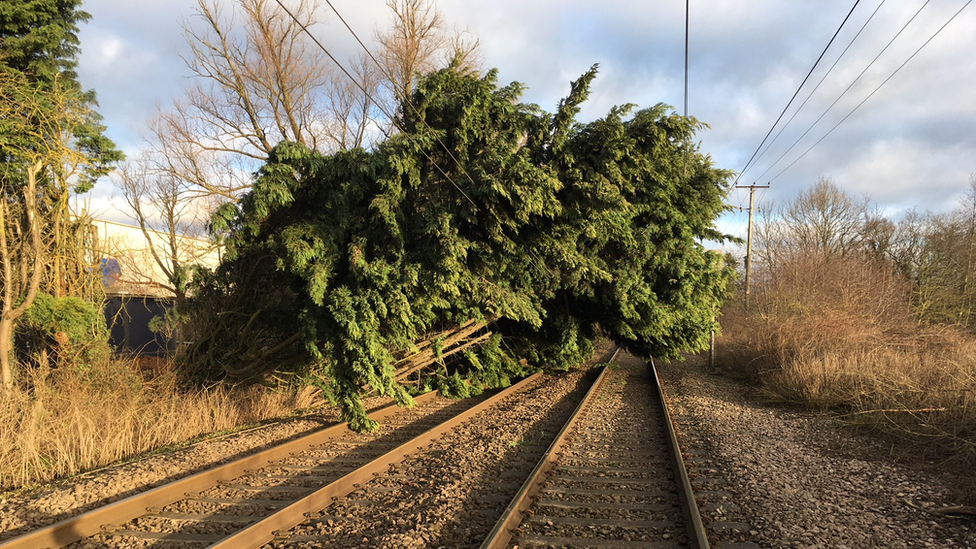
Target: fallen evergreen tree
523, 231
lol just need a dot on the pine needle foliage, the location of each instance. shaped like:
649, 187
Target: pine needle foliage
482, 207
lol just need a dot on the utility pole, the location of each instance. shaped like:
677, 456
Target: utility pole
752, 206
687, 13
684, 171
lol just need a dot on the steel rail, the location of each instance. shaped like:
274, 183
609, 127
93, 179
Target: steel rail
689, 505
501, 534
263, 531
89, 523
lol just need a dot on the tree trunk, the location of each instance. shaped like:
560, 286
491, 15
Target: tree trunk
6, 325
33, 258
6, 350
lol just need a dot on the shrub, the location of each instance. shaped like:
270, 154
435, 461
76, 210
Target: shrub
69, 329
838, 333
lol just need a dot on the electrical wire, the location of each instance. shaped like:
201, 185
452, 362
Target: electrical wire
797, 92
875, 90
388, 115
405, 101
822, 78
761, 201
377, 103
849, 87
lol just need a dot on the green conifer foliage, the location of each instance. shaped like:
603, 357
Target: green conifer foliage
39, 47
40, 37
484, 208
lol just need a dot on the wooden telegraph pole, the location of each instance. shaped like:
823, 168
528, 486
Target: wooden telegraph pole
752, 206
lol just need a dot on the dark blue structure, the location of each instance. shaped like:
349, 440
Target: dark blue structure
128, 319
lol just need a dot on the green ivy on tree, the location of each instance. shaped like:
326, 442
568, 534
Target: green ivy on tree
52, 144
485, 208
68, 326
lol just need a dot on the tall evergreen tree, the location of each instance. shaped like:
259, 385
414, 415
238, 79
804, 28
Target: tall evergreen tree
483, 208
39, 38
39, 42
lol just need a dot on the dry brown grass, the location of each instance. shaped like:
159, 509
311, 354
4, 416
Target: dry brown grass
838, 333
73, 421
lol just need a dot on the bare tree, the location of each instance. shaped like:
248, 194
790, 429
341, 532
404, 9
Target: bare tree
465, 51
412, 45
257, 85
942, 263
351, 107
418, 42
172, 216
826, 219
177, 150
878, 236
770, 234
935, 253
965, 216
259, 80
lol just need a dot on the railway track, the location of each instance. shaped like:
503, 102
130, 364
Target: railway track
613, 478
579, 474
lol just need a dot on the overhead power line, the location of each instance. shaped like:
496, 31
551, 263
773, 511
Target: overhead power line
819, 83
396, 90
849, 87
405, 101
920, 48
780, 117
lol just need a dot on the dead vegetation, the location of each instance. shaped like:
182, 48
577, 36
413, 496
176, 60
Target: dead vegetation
839, 333
73, 420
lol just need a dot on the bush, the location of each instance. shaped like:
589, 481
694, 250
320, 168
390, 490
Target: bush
837, 333
69, 329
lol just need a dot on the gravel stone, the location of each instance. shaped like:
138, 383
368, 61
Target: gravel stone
450, 495
799, 480
765, 476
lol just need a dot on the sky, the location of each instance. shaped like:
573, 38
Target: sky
910, 144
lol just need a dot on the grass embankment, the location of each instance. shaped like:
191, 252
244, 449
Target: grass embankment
839, 334
76, 421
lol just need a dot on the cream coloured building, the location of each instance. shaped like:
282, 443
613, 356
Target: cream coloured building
136, 285
128, 263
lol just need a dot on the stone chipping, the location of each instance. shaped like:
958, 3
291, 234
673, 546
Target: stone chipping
49, 503
766, 476
799, 480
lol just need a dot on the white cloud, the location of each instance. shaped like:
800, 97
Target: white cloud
912, 143
109, 49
